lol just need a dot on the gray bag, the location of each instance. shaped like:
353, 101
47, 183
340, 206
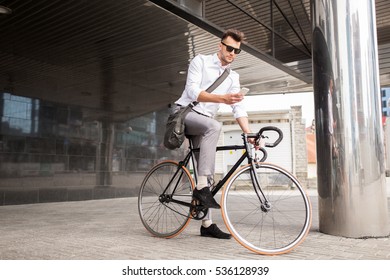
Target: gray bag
174, 131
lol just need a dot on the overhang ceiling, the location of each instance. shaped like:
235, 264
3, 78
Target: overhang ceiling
120, 59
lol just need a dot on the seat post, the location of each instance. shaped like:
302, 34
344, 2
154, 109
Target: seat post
193, 159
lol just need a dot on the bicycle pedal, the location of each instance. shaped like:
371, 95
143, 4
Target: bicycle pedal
194, 203
198, 213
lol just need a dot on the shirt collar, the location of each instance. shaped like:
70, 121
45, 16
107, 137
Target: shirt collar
218, 62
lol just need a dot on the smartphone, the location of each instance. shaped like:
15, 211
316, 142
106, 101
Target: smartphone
244, 90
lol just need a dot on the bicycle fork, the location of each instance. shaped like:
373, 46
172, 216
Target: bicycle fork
265, 205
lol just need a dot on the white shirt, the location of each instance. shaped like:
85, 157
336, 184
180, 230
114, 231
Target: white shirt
202, 73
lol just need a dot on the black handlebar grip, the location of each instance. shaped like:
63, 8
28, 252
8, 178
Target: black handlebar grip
272, 128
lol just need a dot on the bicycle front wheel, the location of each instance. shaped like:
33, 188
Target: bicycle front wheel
271, 229
166, 186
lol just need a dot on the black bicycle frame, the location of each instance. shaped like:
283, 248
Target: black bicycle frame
219, 185
222, 182
190, 156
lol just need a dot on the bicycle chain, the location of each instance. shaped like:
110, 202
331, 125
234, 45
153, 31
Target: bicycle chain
196, 214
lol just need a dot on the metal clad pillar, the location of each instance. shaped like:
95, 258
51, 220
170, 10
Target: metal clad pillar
350, 151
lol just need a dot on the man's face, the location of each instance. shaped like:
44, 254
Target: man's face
225, 56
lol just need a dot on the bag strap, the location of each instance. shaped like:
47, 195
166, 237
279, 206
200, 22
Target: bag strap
219, 80
211, 88
216, 84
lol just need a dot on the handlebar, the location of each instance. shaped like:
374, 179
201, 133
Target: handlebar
265, 154
258, 135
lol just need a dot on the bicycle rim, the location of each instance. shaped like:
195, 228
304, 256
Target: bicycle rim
160, 217
276, 231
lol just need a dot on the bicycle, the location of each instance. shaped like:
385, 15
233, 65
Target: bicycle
264, 207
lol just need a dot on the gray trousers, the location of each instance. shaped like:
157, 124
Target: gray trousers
204, 132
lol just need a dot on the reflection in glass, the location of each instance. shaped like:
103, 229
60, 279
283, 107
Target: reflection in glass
44, 144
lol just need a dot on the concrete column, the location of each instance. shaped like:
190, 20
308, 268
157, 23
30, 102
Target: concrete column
350, 151
104, 154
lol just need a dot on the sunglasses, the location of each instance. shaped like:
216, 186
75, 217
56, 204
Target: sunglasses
230, 48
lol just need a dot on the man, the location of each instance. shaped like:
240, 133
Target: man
200, 124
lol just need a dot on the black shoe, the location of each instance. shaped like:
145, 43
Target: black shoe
205, 198
214, 231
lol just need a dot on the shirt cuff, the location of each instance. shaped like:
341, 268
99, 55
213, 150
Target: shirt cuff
239, 112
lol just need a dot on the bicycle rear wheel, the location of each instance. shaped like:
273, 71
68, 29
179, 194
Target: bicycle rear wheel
159, 214
272, 231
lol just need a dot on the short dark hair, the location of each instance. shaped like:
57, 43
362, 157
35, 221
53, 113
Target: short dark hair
234, 33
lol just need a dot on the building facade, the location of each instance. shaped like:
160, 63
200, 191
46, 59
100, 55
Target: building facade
291, 153
51, 152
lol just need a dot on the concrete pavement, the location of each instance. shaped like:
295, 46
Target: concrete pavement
110, 229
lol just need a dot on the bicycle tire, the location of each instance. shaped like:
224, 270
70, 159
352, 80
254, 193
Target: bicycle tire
277, 231
164, 218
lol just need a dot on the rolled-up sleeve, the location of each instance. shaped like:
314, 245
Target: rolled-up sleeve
194, 78
239, 110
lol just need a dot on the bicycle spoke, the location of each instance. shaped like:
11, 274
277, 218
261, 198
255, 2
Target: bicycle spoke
273, 230
159, 214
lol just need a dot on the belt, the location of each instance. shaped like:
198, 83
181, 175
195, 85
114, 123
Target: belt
195, 111
200, 113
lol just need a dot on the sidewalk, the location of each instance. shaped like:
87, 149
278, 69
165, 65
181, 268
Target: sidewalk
110, 229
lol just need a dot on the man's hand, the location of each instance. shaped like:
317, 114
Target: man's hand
232, 98
244, 124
